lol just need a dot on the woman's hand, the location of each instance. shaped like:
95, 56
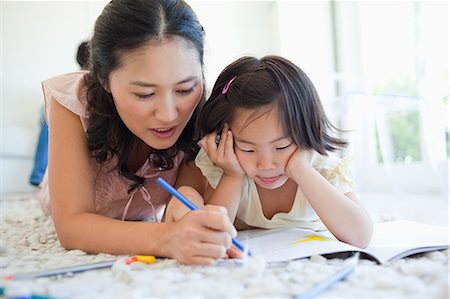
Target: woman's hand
202, 236
299, 161
222, 154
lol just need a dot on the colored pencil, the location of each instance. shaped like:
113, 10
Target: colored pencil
331, 280
61, 271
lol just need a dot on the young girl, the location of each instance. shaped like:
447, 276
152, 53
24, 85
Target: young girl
118, 127
264, 154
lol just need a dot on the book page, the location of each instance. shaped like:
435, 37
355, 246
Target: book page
397, 239
390, 240
279, 245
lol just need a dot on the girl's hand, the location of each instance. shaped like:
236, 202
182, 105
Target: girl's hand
222, 154
202, 236
299, 160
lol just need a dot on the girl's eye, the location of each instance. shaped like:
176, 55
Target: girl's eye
144, 95
247, 151
284, 147
244, 150
186, 91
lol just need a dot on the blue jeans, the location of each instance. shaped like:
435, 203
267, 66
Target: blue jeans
41, 155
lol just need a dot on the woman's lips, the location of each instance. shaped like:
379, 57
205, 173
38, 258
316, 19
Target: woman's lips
269, 180
164, 133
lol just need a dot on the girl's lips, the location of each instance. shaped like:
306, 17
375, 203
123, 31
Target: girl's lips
269, 180
164, 133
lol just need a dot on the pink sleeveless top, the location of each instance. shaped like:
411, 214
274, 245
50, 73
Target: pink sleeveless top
111, 189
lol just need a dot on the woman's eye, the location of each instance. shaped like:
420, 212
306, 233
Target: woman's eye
284, 147
144, 95
186, 91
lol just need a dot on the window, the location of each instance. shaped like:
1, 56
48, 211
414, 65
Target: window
393, 77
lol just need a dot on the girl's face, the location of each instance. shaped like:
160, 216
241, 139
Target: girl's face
156, 90
261, 145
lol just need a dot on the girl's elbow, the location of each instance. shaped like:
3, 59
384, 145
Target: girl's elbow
360, 242
362, 239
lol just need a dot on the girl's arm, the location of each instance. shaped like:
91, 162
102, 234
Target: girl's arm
341, 213
228, 191
198, 238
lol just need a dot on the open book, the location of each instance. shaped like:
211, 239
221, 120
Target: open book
390, 241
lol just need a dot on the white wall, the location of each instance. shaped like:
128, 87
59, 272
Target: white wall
38, 40
234, 29
305, 38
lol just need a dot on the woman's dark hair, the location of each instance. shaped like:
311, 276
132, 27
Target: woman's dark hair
271, 81
125, 26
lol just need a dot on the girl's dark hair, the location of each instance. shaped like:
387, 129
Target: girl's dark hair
125, 26
271, 80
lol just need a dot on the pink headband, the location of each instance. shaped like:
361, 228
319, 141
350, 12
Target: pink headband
225, 88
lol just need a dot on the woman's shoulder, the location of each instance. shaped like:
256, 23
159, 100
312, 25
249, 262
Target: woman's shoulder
72, 76
69, 90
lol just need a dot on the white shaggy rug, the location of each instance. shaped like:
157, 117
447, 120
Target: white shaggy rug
28, 243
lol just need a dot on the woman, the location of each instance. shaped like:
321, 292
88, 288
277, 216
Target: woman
130, 119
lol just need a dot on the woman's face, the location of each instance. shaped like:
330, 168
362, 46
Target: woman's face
156, 90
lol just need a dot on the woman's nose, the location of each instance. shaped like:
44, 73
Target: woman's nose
166, 110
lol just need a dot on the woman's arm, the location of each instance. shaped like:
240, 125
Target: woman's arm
341, 213
198, 238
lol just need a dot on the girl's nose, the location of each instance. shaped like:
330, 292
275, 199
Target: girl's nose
265, 161
166, 110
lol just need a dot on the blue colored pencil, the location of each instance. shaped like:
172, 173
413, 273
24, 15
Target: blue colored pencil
193, 207
330, 281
